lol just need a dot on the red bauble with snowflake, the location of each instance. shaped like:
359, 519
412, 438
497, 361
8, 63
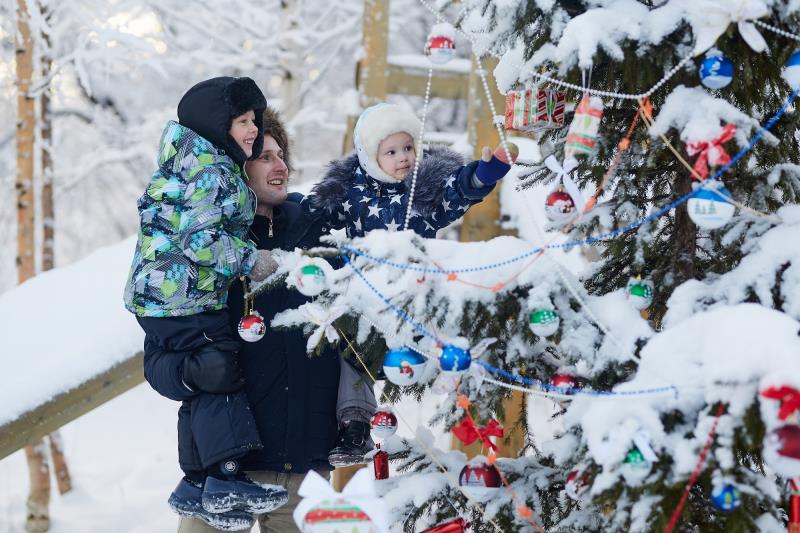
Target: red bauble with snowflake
252, 327
559, 206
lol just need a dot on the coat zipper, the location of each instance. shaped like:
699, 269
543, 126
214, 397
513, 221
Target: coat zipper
269, 234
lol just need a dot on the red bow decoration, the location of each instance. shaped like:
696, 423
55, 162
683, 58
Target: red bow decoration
789, 398
467, 432
711, 152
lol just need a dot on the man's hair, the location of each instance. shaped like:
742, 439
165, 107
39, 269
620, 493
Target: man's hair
273, 126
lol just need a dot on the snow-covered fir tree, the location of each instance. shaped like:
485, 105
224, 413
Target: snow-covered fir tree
664, 426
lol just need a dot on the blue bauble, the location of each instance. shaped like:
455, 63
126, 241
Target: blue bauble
726, 497
403, 366
716, 71
454, 359
791, 72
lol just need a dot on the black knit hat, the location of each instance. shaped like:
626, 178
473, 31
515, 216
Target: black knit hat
274, 127
209, 107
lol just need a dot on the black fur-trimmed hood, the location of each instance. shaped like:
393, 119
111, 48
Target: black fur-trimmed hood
436, 167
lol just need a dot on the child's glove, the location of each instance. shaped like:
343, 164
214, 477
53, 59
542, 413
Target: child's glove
493, 167
265, 266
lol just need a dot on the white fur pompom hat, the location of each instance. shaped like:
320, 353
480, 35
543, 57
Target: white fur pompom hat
373, 126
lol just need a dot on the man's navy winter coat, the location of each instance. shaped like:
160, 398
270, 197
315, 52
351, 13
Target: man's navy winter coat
292, 396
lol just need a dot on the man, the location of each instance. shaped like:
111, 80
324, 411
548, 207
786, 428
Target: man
292, 396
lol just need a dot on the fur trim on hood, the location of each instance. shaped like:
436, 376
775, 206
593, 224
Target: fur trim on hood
374, 125
437, 165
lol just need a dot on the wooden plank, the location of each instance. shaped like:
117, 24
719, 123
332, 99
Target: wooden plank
514, 439
445, 84
26, 122
31, 426
372, 78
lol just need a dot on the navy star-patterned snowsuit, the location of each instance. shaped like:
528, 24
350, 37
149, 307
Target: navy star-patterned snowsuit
350, 198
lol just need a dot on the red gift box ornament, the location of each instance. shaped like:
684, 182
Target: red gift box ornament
467, 433
459, 525
794, 506
711, 152
789, 398
531, 110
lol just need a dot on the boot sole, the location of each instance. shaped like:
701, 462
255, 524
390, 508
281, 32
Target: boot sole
215, 521
341, 460
224, 502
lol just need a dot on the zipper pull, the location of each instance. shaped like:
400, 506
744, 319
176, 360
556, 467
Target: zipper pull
270, 228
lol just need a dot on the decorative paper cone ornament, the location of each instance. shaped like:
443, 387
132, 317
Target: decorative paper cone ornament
544, 322
252, 327
531, 110
716, 70
708, 209
479, 479
403, 366
582, 134
725, 497
791, 72
577, 484
454, 359
384, 423
440, 47
782, 450
310, 279
559, 206
640, 293
332, 516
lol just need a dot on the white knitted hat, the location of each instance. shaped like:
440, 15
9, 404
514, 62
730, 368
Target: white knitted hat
373, 126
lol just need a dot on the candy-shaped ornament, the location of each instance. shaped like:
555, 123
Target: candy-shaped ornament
709, 209
791, 72
640, 292
782, 450
479, 479
531, 110
252, 327
582, 135
544, 322
440, 47
725, 496
384, 423
310, 279
716, 70
403, 366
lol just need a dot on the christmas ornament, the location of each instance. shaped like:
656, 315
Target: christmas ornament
577, 484
459, 525
559, 206
252, 327
791, 72
708, 207
725, 496
479, 479
794, 506
440, 47
640, 292
711, 152
583, 130
531, 110
323, 318
544, 322
357, 509
782, 450
467, 432
636, 459
384, 423
310, 279
716, 70
380, 464
563, 380
454, 359
403, 366
789, 398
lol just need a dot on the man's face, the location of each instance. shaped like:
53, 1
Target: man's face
269, 177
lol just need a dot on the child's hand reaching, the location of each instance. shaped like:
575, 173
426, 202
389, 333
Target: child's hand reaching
494, 166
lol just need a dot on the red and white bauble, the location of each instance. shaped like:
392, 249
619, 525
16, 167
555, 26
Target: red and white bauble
782, 450
479, 479
384, 423
440, 47
563, 380
252, 327
577, 484
559, 206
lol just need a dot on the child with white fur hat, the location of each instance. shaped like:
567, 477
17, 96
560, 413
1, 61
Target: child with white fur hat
370, 190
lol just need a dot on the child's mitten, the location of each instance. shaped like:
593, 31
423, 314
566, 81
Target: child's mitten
493, 167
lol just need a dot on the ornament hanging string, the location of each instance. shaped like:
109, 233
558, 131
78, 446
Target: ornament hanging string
673, 521
598, 238
430, 452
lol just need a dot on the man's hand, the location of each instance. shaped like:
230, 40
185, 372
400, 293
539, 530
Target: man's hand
214, 368
493, 167
265, 265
